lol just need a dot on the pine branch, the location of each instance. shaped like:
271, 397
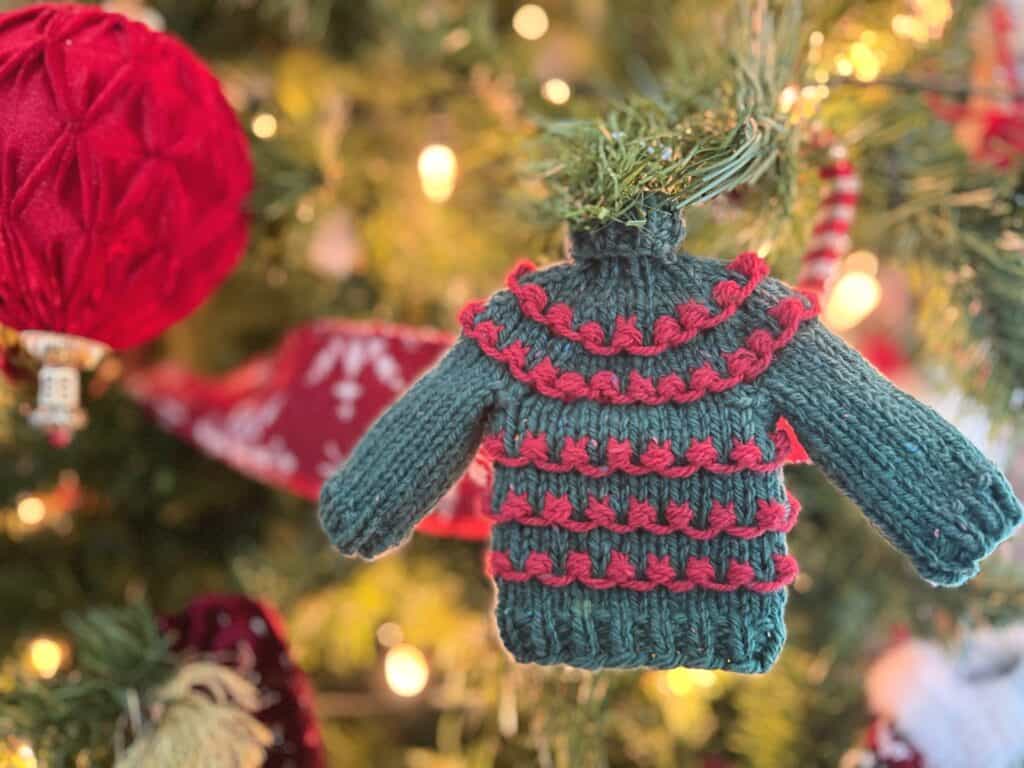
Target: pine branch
117, 651
687, 146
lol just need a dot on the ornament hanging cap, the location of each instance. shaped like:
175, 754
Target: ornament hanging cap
62, 357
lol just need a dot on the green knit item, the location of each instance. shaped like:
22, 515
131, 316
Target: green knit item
629, 399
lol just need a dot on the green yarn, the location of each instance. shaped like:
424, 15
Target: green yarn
639, 492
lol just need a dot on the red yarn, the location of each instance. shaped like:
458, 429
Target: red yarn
621, 573
123, 174
743, 364
772, 517
691, 318
657, 459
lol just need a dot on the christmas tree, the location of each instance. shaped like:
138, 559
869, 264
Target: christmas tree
171, 596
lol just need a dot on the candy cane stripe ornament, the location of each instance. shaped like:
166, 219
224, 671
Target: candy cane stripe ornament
830, 241
123, 175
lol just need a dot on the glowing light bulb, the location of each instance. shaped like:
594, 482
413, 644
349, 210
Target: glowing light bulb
437, 168
866, 64
787, 98
31, 510
862, 261
264, 126
406, 670
389, 634
556, 90
46, 656
530, 22
854, 297
26, 756
844, 66
682, 681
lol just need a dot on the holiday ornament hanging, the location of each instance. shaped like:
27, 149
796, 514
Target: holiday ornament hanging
629, 401
123, 175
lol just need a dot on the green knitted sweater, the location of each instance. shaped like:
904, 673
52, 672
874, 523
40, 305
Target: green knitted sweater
629, 400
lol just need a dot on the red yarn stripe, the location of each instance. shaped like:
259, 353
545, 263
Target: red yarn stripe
772, 516
668, 331
658, 459
699, 572
743, 365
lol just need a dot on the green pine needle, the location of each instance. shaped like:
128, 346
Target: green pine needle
683, 146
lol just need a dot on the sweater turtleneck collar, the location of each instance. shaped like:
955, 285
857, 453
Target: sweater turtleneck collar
655, 235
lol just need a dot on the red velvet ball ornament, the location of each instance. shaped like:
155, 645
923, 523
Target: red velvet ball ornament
123, 175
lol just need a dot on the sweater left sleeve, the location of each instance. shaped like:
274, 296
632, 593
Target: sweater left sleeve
928, 489
411, 456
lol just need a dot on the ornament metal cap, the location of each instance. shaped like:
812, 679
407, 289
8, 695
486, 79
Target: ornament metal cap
62, 357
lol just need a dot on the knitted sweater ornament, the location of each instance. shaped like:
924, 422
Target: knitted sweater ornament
629, 399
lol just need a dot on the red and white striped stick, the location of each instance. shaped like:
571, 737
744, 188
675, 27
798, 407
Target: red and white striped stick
830, 241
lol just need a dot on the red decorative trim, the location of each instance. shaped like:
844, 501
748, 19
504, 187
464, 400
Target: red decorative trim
743, 365
621, 573
669, 331
772, 516
658, 459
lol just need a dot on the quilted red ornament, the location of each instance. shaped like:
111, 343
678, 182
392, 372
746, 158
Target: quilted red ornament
123, 176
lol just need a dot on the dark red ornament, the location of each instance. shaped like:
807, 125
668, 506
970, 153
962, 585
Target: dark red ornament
123, 175
249, 636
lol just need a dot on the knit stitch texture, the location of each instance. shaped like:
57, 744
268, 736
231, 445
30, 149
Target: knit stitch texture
629, 401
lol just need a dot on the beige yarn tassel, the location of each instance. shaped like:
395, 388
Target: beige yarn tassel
202, 718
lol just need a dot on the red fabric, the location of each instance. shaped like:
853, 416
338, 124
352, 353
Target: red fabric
123, 174
289, 418
250, 637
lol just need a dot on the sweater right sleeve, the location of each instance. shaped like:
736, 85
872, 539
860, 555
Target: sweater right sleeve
411, 456
928, 489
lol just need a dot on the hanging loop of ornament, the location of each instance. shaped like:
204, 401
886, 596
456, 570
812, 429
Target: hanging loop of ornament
62, 358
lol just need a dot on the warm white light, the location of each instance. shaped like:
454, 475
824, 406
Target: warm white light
264, 126
46, 656
862, 261
682, 681
844, 66
31, 510
389, 634
866, 64
406, 670
854, 297
556, 90
437, 168
787, 98
530, 21
26, 756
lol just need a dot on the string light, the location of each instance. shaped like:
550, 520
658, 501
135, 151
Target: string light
389, 634
406, 671
787, 98
264, 126
861, 261
854, 297
31, 511
925, 23
682, 681
866, 64
530, 22
437, 167
20, 752
556, 90
45, 656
